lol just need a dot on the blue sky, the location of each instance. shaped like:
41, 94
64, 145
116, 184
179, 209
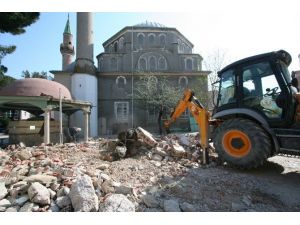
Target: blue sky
239, 28
38, 48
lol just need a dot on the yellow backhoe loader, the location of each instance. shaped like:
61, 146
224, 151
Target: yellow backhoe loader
257, 112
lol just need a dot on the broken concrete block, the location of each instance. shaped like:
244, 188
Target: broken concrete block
160, 151
146, 137
39, 194
3, 190
24, 154
150, 201
178, 150
121, 151
171, 206
117, 203
83, 196
157, 157
44, 179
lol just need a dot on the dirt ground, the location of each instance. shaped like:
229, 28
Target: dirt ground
273, 187
188, 185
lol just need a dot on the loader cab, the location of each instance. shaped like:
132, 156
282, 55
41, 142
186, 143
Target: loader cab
258, 87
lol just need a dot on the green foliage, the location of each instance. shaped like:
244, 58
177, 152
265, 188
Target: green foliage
5, 80
43, 75
200, 86
157, 91
14, 22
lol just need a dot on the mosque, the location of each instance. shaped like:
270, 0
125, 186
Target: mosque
144, 49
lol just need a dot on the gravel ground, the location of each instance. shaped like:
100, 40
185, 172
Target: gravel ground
175, 184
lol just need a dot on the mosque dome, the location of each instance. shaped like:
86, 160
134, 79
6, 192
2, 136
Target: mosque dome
35, 87
150, 24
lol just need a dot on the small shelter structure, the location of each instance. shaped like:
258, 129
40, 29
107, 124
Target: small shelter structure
40, 96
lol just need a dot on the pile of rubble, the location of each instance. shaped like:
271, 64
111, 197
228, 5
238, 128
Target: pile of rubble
83, 177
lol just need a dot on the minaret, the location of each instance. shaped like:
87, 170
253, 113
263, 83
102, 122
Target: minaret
67, 48
83, 80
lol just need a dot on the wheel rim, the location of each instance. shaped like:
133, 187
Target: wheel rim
236, 143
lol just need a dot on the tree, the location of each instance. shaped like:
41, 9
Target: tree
157, 92
43, 75
5, 80
214, 62
14, 23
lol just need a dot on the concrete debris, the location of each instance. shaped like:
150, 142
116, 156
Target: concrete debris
171, 206
150, 201
157, 157
28, 207
82, 195
41, 178
121, 151
24, 154
146, 137
63, 191
5, 203
187, 207
39, 194
63, 201
3, 190
12, 209
21, 200
149, 174
117, 203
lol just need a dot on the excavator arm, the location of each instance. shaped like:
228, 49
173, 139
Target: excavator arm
200, 114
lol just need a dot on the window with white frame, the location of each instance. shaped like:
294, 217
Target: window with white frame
121, 82
151, 38
152, 63
182, 82
110, 49
162, 40
189, 64
152, 113
162, 64
142, 64
121, 110
116, 46
141, 38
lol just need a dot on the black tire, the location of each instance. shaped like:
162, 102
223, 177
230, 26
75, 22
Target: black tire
255, 144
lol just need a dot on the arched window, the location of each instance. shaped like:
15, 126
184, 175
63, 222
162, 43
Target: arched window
151, 38
183, 82
142, 64
189, 64
152, 63
184, 48
113, 64
162, 64
121, 82
121, 43
110, 49
141, 39
162, 39
116, 46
